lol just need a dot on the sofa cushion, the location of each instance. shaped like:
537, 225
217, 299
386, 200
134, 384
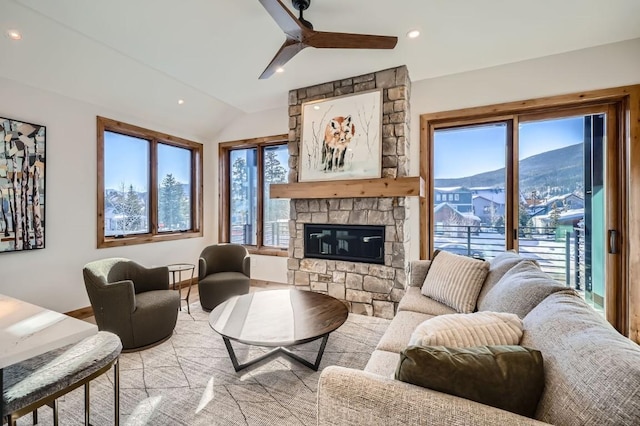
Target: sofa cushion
506, 377
383, 363
592, 373
413, 300
520, 290
498, 266
397, 336
455, 280
417, 272
465, 330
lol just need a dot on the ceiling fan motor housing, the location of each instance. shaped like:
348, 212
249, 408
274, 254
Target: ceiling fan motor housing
301, 4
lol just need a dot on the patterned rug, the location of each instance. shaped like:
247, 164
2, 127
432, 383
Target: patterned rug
189, 380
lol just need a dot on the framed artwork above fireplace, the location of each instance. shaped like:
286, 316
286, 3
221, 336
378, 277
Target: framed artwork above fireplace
341, 138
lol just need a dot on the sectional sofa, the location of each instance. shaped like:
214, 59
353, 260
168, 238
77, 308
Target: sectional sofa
591, 372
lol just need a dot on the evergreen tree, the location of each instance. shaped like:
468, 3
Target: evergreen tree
274, 172
554, 216
172, 204
128, 205
239, 184
523, 216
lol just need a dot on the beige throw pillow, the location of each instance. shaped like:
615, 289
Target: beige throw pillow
467, 330
455, 280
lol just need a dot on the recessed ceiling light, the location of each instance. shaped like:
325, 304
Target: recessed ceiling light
279, 69
413, 33
180, 101
14, 35
316, 107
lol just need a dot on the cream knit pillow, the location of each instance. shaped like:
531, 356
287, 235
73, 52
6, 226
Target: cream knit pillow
467, 330
455, 280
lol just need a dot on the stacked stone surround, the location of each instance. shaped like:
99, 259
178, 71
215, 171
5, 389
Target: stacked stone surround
369, 289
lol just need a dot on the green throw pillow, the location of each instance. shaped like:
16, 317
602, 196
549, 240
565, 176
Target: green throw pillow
506, 377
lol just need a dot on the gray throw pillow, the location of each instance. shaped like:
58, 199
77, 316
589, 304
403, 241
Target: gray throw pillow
506, 377
520, 290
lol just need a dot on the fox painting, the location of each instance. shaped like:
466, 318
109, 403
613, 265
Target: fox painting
337, 136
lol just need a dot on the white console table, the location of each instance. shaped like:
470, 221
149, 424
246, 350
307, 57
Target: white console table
28, 330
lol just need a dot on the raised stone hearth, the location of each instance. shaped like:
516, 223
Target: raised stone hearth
369, 289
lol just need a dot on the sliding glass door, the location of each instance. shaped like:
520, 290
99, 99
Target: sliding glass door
544, 184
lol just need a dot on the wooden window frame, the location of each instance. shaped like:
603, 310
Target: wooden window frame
224, 203
624, 102
154, 138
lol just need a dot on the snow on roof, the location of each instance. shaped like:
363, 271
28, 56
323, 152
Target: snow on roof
496, 198
450, 188
471, 216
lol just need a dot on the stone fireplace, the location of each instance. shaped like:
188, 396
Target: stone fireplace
366, 287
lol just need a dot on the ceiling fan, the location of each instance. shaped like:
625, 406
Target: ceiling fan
300, 34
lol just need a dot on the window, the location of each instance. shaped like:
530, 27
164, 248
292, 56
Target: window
247, 214
148, 185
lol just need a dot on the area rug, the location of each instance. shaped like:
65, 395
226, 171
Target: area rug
189, 380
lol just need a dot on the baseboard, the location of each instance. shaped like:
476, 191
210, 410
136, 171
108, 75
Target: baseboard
81, 313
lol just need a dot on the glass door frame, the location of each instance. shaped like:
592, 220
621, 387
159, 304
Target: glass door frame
622, 106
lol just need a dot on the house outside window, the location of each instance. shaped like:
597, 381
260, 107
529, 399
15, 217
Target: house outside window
148, 185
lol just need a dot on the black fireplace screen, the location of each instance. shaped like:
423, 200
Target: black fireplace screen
355, 243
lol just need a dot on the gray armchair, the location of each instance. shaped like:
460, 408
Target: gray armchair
224, 270
132, 301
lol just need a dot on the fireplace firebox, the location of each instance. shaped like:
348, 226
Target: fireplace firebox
354, 243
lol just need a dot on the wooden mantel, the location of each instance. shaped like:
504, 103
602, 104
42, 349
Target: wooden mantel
412, 186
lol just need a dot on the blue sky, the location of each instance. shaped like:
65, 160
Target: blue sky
469, 151
126, 160
483, 146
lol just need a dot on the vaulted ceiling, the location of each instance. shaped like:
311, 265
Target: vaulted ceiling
141, 56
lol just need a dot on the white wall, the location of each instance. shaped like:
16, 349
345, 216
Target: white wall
52, 277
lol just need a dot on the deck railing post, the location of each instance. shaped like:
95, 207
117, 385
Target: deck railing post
567, 259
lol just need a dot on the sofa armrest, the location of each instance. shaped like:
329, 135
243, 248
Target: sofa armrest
418, 272
353, 397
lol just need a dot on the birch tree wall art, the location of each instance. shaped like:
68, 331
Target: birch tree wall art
22, 159
341, 138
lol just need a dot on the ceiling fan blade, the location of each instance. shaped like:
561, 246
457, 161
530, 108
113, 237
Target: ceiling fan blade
289, 49
284, 18
322, 39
